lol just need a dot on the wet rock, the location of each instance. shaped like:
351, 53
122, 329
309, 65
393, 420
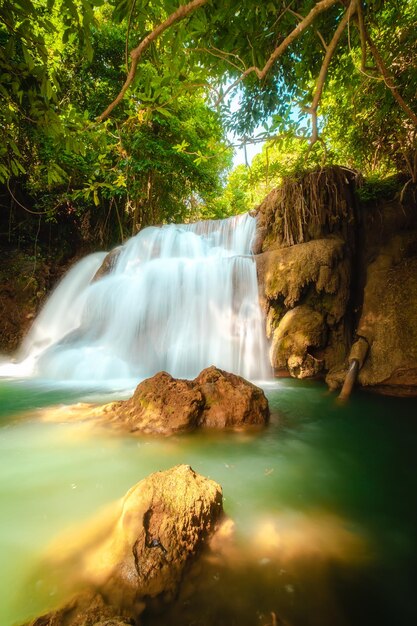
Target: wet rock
164, 405
137, 552
287, 274
358, 274
164, 521
230, 401
108, 264
300, 330
315, 276
389, 320
161, 405
86, 609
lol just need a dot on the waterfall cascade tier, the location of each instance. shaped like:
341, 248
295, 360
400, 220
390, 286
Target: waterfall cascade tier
179, 298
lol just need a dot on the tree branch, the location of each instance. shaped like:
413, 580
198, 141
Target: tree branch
318, 33
129, 24
379, 62
220, 54
181, 13
331, 48
321, 6
362, 34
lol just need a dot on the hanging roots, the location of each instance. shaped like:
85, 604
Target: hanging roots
313, 205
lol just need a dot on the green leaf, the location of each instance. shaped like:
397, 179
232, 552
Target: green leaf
164, 112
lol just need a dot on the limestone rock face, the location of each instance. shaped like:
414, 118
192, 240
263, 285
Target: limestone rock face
164, 405
353, 263
138, 551
300, 330
287, 273
389, 319
304, 290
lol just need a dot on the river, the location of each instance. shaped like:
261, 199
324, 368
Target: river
323, 500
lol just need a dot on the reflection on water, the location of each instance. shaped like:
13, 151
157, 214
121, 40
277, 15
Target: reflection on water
322, 502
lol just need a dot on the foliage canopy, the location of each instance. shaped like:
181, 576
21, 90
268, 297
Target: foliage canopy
116, 110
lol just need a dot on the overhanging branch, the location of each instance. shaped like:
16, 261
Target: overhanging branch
388, 80
182, 12
321, 6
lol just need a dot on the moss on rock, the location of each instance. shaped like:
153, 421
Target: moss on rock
300, 331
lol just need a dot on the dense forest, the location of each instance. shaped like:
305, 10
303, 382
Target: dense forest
119, 114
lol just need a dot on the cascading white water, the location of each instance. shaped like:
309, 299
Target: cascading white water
179, 298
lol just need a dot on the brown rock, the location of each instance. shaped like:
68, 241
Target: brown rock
287, 273
87, 609
230, 400
108, 264
315, 274
164, 521
136, 551
389, 320
163, 405
299, 331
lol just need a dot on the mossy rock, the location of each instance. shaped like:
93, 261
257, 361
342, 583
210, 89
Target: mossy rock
301, 331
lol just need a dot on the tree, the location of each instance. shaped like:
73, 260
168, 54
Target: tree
282, 53
33, 34
111, 108
157, 160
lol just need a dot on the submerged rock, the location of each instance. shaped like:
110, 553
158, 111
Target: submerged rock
137, 552
163, 405
86, 609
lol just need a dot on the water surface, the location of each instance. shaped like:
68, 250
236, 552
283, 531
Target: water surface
323, 500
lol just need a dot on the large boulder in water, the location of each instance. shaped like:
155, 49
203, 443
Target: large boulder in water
215, 399
230, 401
137, 552
164, 521
161, 405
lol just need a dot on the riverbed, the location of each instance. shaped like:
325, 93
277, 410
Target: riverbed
323, 504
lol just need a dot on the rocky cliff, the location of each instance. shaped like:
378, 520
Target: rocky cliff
338, 281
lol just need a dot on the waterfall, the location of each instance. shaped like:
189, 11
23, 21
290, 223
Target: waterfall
178, 298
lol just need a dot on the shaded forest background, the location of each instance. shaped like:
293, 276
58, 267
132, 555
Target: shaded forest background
320, 83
